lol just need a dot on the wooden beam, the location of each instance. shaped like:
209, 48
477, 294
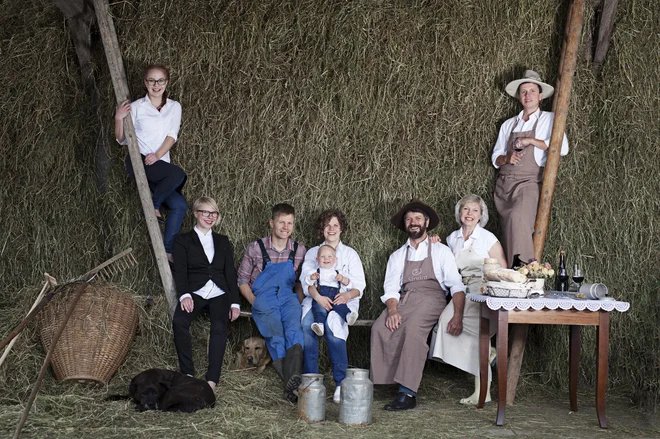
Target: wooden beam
118, 74
605, 29
567, 65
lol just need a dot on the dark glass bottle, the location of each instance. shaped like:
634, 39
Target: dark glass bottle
562, 274
517, 262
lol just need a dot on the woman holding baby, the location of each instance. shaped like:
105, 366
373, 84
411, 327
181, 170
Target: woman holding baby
345, 266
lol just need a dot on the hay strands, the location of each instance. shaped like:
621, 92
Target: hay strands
112, 266
79, 292
50, 282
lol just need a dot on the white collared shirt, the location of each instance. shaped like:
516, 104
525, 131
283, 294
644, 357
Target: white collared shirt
481, 241
543, 132
349, 264
152, 127
210, 289
444, 267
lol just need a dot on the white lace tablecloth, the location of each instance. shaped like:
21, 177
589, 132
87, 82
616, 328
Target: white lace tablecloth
509, 304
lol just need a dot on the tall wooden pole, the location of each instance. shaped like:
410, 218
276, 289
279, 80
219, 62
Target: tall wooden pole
562, 99
567, 65
118, 74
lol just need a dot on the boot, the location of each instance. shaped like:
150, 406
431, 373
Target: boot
292, 371
277, 365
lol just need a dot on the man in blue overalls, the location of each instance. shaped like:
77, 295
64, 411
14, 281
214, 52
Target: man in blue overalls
268, 279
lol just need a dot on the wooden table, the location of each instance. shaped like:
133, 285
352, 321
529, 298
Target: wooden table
545, 311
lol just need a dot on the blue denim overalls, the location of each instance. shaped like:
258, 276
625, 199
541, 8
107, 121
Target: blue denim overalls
276, 309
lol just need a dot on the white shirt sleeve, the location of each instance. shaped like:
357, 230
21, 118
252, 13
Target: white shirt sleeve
175, 121
544, 132
393, 276
134, 112
451, 240
487, 239
502, 139
354, 272
445, 269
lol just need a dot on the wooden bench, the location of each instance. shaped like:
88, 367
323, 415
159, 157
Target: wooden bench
357, 323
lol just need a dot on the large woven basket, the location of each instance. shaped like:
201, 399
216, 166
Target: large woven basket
95, 341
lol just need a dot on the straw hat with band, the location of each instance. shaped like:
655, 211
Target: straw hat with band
434, 219
529, 76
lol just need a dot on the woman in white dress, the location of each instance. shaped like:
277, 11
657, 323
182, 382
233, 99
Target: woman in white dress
471, 244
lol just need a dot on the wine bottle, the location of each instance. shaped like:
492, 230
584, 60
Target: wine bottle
517, 262
562, 274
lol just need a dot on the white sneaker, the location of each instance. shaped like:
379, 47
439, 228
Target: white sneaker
337, 396
318, 329
352, 318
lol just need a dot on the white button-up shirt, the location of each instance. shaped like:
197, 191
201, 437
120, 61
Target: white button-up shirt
349, 264
481, 241
444, 267
543, 132
210, 289
328, 278
152, 127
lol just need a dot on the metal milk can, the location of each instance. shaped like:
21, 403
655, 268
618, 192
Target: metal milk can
311, 398
356, 400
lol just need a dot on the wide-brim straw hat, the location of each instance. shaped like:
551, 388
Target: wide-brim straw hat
434, 219
529, 76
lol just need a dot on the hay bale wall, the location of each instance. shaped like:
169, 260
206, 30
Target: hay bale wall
360, 105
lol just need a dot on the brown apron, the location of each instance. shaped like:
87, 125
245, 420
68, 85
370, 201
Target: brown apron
517, 197
462, 351
399, 356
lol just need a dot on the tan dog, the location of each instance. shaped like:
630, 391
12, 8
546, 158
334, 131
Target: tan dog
253, 353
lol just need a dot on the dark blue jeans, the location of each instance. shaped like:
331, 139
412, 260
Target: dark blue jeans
166, 181
336, 349
320, 314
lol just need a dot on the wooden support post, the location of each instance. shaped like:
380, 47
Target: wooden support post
605, 28
118, 74
567, 65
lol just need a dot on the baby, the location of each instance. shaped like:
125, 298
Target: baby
325, 284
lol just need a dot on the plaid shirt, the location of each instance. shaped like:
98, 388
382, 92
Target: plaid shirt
253, 262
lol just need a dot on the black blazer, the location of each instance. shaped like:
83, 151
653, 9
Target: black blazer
192, 269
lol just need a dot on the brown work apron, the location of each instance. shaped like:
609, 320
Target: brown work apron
517, 194
399, 356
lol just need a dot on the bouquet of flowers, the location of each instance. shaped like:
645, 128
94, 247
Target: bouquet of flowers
537, 270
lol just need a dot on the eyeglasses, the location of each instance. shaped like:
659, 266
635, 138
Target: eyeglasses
209, 214
152, 82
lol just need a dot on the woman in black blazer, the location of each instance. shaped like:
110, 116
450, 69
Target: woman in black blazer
205, 277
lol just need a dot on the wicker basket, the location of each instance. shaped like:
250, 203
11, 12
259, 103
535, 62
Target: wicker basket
95, 341
508, 289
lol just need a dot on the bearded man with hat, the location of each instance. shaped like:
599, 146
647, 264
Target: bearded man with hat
418, 278
520, 154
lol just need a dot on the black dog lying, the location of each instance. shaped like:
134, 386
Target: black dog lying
170, 391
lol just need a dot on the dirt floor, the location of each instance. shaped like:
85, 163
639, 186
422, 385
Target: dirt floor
249, 406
